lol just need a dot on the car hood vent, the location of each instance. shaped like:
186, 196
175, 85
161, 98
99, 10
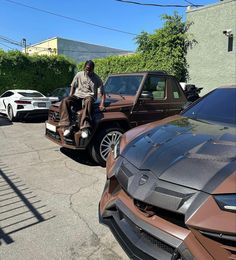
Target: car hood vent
184, 155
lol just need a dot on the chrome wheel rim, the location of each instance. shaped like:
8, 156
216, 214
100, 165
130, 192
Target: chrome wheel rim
108, 142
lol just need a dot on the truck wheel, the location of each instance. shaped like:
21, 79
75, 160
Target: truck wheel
10, 113
103, 143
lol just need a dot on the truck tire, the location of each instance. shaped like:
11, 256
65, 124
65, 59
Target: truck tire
103, 143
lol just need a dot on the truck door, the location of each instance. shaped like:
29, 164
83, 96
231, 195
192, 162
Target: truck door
176, 97
152, 103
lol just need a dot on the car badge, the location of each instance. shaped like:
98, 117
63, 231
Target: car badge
54, 116
143, 180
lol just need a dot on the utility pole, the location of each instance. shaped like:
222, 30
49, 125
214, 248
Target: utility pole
24, 44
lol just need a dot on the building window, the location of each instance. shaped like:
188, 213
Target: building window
230, 42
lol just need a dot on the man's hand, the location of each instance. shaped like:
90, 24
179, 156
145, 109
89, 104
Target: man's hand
102, 108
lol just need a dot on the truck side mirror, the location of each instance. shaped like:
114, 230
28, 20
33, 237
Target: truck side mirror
146, 95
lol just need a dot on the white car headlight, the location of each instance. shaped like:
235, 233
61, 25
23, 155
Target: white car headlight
226, 202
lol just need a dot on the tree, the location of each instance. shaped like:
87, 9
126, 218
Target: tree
166, 48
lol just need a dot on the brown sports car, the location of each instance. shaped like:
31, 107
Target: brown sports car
170, 191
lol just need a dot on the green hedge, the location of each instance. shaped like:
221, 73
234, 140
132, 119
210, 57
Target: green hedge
116, 64
42, 73
134, 63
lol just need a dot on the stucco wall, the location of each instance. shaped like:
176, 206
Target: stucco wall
210, 62
81, 51
77, 51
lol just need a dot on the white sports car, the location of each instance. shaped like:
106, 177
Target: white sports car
23, 104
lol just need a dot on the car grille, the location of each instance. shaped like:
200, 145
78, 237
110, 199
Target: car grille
225, 239
155, 245
69, 141
170, 216
57, 137
53, 135
146, 237
54, 116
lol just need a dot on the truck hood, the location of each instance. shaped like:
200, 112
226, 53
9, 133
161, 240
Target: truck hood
185, 152
117, 101
112, 101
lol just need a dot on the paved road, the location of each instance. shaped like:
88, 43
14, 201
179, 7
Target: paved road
49, 199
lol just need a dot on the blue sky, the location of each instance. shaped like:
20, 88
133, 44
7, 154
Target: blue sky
18, 22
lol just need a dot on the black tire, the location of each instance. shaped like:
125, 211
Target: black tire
103, 142
10, 113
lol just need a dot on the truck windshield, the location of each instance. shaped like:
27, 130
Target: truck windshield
123, 85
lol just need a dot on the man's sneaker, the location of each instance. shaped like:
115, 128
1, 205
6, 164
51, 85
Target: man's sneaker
67, 132
85, 133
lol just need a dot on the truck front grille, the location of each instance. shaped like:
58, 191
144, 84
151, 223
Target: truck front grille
54, 116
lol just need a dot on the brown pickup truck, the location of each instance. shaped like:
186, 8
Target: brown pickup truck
132, 99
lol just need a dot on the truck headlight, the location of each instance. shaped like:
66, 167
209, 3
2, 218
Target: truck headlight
226, 202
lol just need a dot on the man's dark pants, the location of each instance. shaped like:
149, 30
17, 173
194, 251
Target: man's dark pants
77, 104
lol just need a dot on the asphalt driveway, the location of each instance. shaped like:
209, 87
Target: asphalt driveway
49, 199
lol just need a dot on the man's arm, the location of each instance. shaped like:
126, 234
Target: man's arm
74, 84
102, 95
72, 90
103, 98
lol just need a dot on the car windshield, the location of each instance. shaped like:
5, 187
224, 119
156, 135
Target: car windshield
125, 85
32, 94
60, 92
218, 106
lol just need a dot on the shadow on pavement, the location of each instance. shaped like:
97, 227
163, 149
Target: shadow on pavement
35, 120
79, 156
20, 208
4, 121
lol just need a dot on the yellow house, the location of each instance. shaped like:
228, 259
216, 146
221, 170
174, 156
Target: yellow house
78, 51
47, 47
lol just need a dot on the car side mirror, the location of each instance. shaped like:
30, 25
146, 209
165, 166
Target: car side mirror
146, 95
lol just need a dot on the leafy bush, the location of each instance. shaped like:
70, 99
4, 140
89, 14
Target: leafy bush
42, 73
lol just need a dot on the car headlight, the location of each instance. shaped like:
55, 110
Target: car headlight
226, 202
116, 150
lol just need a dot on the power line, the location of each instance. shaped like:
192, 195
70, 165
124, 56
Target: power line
157, 5
6, 46
69, 18
8, 40
190, 3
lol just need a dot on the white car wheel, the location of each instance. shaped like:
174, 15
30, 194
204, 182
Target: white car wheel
10, 113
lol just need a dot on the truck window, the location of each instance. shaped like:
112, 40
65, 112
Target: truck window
175, 90
156, 86
126, 85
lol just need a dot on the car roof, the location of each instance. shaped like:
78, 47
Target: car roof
159, 72
23, 90
229, 86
